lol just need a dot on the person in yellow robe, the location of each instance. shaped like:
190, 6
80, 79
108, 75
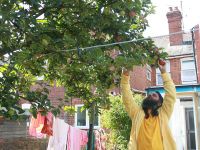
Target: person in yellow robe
150, 122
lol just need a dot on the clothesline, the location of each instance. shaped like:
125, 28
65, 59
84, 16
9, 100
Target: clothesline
62, 136
124, 42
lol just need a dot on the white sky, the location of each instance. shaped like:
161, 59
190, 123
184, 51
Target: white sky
158, 21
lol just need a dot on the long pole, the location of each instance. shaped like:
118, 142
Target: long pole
91, 122
194, 53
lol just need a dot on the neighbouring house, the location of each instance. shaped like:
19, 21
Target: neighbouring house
184, 67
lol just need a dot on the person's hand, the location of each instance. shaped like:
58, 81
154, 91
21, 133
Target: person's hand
125, 71
162, 67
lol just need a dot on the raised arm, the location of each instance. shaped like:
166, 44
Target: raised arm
127, 96
170, 93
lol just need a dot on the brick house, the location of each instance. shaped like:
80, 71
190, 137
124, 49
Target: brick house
184, 67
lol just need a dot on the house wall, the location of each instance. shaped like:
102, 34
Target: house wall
138, 79
12, 129
175, 70
174, 46
197, 49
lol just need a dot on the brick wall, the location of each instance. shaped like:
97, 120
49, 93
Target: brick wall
23, 144
138, 78
11, 129
55, 94
175, 70
174, 17
153, 76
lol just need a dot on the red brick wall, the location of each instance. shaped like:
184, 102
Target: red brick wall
197, 50
71, 118
138, 78
175, 70
23, 144
153, 76
175, 25
55, 94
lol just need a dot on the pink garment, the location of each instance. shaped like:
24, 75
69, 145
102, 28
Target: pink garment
76, 138
84, 138
36, 125
100, 140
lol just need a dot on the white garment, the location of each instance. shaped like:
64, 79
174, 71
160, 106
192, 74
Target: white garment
59, 139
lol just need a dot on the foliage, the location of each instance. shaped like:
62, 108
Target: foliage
36, 38
118, 123
69, 109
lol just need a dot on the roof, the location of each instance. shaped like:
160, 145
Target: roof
164, 42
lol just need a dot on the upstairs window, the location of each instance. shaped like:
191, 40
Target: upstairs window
188, 72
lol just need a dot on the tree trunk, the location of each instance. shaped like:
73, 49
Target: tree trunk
91, 127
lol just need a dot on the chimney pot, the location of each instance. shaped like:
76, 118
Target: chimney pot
170, 8
175, 25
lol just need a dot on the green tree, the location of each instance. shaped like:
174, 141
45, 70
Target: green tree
36, 47
118, 123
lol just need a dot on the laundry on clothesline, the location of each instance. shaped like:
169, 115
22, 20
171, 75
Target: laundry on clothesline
62, 136
41, 126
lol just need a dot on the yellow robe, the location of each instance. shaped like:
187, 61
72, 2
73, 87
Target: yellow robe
137, 114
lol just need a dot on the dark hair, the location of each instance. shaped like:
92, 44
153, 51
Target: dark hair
148, 103
160, 97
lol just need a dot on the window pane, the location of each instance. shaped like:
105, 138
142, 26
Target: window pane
188, 76
159, 79
191, 120
96, 120
81, 117
148, 75
192, 141
189, 64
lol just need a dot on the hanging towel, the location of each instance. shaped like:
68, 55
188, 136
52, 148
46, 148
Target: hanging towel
84, 138
47, 128
76, 138
37, 124
100, 139
60, 132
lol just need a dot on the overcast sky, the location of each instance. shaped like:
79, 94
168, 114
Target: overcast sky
158, 21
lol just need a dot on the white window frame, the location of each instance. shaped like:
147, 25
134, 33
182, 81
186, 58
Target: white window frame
87, 119
183, 60
159, 73
148, 72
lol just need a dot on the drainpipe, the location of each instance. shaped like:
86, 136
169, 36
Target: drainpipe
194, 53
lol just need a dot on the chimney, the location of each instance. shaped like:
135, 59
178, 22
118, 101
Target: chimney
174, 17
